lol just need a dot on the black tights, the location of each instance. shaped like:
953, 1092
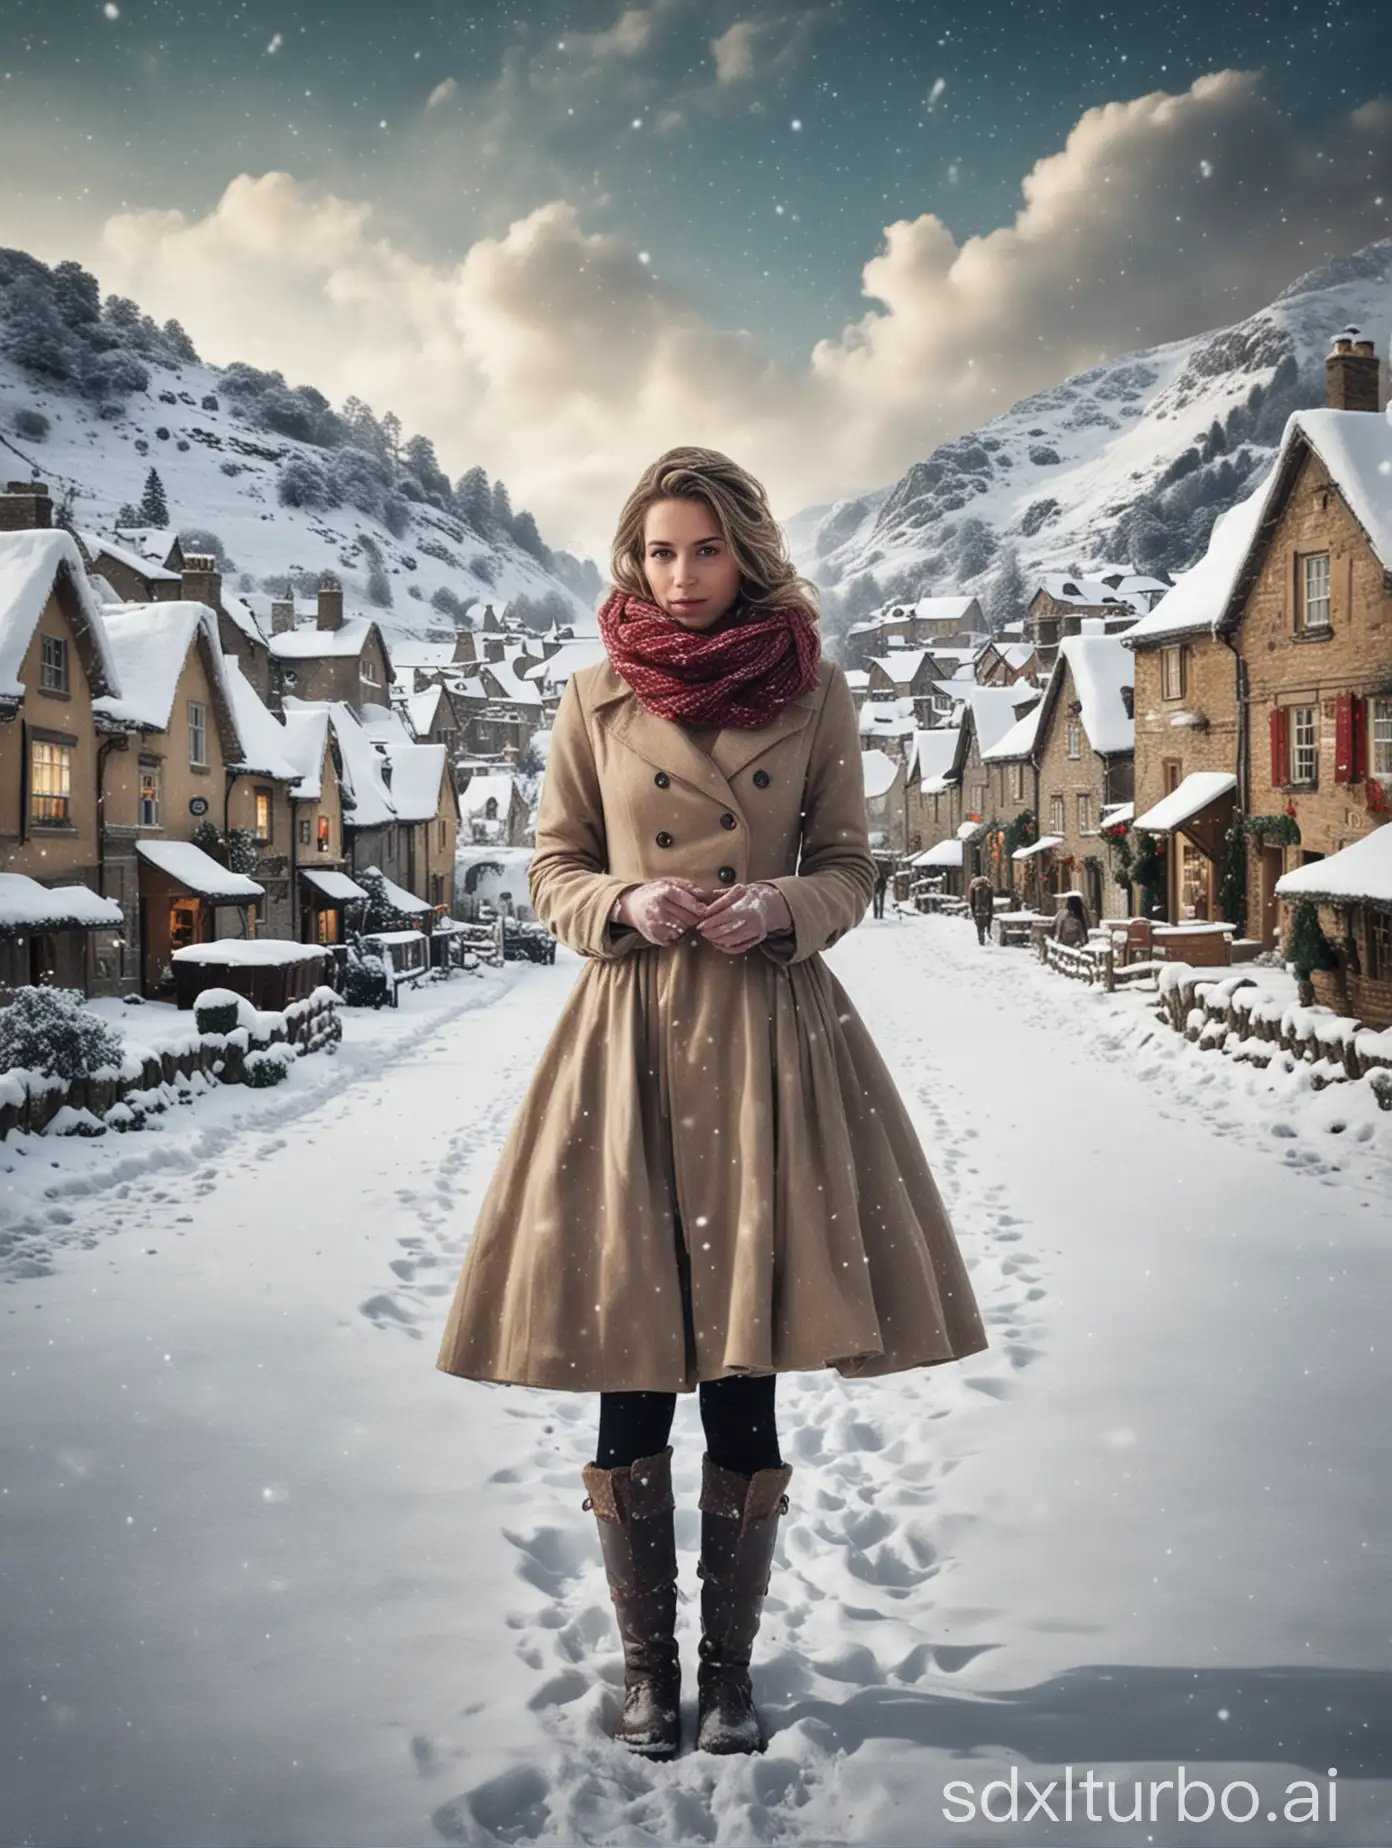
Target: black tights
736, 1411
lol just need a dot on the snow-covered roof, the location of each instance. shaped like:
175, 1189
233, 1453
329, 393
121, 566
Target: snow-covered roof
306, 727
153, 544
25, 904
399, 898
1356, 448
945, 853
993, 711
1198, 790
902, 665
1042, 845
97, 543
264, 743
475, 798
198, 871
333, 884
385, 725
362, 769
416, 773
150, 643
932, 756
1089, 592
1018, 742
1361, 871
1200, 596
513, 687
888, 718
30, 563
421, 709
248, 952
309, 642
430, 657
1100, 667
1115, 813
879, 772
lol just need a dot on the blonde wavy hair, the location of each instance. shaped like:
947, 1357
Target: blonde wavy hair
768, 578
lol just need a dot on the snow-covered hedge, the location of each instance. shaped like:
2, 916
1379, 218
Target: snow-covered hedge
140, 1081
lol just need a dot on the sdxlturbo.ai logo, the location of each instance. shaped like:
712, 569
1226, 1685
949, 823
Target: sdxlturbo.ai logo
1194, 1800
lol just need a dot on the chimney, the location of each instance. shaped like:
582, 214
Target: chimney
282, 615
330, 603
24, 506
1351, 373
202, 581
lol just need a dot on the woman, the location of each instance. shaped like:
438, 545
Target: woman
712, 1179
1071, 925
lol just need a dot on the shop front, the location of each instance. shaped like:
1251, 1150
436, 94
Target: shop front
1196, 815
44, 932
325, 893
186, 897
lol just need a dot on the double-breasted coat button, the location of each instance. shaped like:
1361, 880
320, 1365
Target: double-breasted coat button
664, 839
761, 779
662, 779
726, 875
727, 820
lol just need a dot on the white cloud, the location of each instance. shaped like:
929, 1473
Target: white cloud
734, 51
554, 357
442, 93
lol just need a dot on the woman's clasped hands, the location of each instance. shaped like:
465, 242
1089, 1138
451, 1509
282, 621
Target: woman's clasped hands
732, 918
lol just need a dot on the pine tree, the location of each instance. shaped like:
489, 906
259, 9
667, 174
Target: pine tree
1009, 592
390, 427
525, 532
154, 508
502, 507
473, 500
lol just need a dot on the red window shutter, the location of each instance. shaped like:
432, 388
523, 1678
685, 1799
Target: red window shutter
1358, 724
1343, 738
1280, 746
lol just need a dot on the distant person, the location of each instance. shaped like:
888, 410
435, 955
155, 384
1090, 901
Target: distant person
981, 900
881, 881
1071, 925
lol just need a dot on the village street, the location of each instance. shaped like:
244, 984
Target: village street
267, 1575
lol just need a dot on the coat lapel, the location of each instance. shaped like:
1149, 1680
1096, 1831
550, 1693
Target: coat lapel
667, 745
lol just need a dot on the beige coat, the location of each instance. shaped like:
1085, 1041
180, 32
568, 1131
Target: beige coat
711, 1171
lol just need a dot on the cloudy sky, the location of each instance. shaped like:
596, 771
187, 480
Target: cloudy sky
559, 239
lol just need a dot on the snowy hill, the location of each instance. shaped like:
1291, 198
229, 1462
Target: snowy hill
1128, 463
93, 395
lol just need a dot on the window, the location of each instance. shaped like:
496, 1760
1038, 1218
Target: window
1380, 738
149, 796
1017, 782
263, 814
53, 664
198, 734
1085, 814
1172, 673
441, 841
303, 830
1057, 824
1304, 746
368, 672
1075, 738
323, 841
1379, 944
1314, 591
50, 784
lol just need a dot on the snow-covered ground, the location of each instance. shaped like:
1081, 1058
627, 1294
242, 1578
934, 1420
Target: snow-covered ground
268, 1576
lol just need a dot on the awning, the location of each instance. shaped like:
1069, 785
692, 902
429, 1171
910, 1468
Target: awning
333, 885
402, 900
971, 830
1196, 793
25, 904
946, 853
199, 872
1042, 845
1118, 813
1360, 872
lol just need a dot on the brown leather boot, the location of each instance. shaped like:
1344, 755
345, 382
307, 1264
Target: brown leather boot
634, 1508
739, 1526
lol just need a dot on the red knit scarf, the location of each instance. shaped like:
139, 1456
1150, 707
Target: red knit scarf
740, 672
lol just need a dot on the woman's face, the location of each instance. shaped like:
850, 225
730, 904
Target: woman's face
691, 571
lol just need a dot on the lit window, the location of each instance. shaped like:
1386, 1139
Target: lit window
263, 814
198, 734
149, 796
323, 842
50, 783
1172, 673
1314, 602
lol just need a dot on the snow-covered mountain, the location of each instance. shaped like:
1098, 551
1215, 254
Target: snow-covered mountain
1129, 463
93, 395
